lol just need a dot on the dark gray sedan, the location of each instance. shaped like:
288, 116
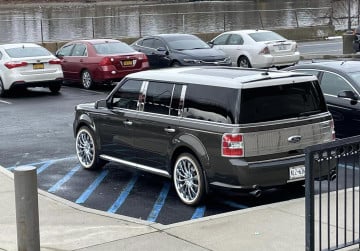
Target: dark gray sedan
166, 50
340, 82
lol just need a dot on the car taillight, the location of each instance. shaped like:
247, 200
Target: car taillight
145, 62
332, 128
265, 51
11, 65
232, 145
55, 61
106, 61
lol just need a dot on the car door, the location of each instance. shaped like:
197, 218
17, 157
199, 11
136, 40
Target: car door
116, 131
161, 52
64, 55
77, 61
345, 111
146, 47
157, 124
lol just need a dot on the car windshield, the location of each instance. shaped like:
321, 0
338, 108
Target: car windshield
186, 43
265, 36
281, 102
25, 52
355, 76
112, 48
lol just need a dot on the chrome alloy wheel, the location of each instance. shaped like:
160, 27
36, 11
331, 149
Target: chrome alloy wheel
85, 148
187, 180
86, 80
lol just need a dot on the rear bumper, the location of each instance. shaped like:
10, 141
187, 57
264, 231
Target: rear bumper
58, 81
107, 74
247, 176
265, 61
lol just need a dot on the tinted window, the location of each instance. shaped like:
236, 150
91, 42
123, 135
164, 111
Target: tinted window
266, 36
211, 103
235, 40
66, 50
79, 50
158, 97
221, 40
186, 43
23, 52
112, 48
127, 95
148, 42
175, 102
333, 84
281, 102
158, 43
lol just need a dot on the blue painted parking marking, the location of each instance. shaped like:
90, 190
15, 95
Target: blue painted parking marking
68, 176
86, 194
159, 202
44, 166
234, 204
123, 195
199, 212
43, 162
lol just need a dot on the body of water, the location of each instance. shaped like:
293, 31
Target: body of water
68, 21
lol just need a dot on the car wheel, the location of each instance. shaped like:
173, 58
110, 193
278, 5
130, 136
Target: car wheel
55, 88
244, 62
2, 89
175, 64
188, 179
86, 80
87, 149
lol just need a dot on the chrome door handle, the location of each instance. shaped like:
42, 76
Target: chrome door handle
169, 129
127, 122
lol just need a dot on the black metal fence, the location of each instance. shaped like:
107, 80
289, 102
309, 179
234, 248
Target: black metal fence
333, 200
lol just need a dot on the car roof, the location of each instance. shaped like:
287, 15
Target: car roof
173, 35
248, 31
96, 41
17, 45
334, 65
232, 77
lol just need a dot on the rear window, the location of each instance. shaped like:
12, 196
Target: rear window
266, 36
281, 102
112, 48
24, 52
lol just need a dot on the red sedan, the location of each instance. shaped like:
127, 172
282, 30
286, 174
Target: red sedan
99, 61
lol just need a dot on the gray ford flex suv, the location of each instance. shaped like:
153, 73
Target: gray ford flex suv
206, 127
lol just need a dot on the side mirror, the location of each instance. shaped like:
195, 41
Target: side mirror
210, 43
59, 55
348, 94
102, 103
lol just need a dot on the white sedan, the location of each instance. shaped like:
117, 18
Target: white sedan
257, 48
28, 65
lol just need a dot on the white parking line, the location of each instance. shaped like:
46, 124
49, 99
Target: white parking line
5, 102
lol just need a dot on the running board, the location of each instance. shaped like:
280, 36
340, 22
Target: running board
137, 166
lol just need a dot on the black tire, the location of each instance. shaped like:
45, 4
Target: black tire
86, 80
176, 64
87, 149
244, 62
55, 88
2, 89
188, 179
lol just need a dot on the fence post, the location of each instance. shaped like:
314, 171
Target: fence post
296, 18
140, 35
183, 22
309, 201
93, 27
224, 21
42, 31
27, 211
261, 22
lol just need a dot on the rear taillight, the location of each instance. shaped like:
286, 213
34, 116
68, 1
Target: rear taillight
332, 128
55, 61
265, 51
232, 145
144, 60
106, 61
11, 65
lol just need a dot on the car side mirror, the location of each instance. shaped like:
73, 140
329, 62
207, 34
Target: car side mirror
102, 103
59, 55
348, 94
210, 43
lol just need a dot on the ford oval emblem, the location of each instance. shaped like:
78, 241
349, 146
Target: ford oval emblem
294, 139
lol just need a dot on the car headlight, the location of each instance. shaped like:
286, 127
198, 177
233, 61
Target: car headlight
192, 61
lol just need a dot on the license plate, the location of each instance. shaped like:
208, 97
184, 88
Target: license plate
38, 66
127, 63
296, 172
282, 47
